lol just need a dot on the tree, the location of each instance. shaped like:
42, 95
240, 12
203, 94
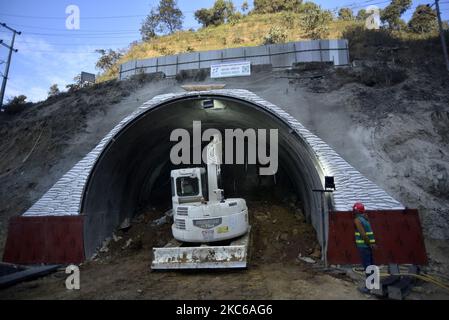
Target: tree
16, 104
204, 16
107, 59
271, 6
345, 14
362, 15
75, 86
393, 12
170, 16
17, 100
245, 6
149, 25
275, 35
166, 18
220, 13
309, 7
424, 19
315, 22
54, 90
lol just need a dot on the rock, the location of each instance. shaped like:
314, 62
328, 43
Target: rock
316, 254
418, 289
158, 222
274, 221
125, 225
127, 244
104, 247
284, 236
116, 238
306, 259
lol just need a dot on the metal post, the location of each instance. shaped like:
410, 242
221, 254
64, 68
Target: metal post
323, 225
443, 41
8, 62
319, 47
269, 53
323, 230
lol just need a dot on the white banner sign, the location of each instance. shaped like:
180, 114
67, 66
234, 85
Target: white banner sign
231, 69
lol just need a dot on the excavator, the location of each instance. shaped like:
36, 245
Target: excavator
208, 230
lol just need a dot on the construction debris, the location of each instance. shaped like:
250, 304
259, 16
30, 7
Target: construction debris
160, 221
12, 274
306, 259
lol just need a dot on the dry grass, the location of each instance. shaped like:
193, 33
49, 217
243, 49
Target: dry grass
248, 31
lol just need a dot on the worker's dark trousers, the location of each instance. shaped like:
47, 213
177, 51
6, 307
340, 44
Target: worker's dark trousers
367, 256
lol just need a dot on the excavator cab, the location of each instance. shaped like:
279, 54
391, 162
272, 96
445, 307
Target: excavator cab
188, 185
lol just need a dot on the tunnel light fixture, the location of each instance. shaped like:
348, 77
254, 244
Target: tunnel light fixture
208, 104
329, 183
211, 104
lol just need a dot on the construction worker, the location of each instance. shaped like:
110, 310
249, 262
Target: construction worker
364, 237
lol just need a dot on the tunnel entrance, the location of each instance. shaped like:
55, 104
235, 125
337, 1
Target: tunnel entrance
133, 170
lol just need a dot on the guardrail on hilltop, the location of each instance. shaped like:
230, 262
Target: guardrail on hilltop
276, 55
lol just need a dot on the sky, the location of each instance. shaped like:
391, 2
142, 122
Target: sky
50, 53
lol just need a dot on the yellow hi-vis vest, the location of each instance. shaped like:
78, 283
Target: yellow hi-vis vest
369, 233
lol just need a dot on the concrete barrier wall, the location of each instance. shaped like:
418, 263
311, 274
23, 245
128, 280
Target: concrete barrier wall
278, 55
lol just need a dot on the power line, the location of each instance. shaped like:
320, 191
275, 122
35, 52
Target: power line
86, 18
71, 44
59, 29
75, 36
56, 18
57, 51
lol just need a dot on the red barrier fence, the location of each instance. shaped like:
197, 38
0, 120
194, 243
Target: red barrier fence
398, 236
59, 239
45, 239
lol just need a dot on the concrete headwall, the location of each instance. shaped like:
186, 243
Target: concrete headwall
276, 55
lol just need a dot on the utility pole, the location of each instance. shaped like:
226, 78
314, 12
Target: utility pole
443, 41
8, 62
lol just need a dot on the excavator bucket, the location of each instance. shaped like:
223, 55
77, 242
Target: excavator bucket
175, 256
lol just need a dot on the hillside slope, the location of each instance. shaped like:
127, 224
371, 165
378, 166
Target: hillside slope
250, 30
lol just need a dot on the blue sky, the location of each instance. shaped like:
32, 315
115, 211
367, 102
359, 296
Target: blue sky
49, 53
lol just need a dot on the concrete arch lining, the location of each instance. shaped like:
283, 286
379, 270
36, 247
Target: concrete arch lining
102, 170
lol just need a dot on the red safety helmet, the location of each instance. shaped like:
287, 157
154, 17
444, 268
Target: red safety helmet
359, 207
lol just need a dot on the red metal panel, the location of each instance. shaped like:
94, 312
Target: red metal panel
398, 236
46, 239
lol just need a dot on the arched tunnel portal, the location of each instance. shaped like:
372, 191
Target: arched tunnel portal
134, 169
130, 168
